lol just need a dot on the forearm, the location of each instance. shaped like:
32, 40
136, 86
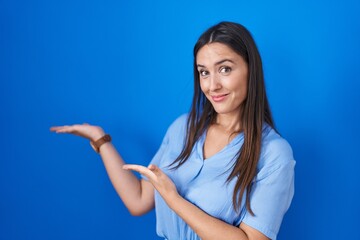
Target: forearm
206, 226
138, 196
126, 184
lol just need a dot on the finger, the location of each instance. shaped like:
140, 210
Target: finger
73, 129
55, 128
152, 167
155, 169
135, 167
140, 169
65, 129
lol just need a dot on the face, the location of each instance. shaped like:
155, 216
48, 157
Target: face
223, 77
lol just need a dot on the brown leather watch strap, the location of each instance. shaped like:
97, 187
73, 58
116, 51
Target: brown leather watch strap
97, 144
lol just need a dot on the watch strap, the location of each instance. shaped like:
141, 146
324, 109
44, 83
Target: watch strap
97, 144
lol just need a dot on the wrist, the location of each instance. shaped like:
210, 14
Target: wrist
99, 142
98, 133
173, 199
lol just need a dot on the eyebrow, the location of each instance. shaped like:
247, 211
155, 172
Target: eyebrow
219, 62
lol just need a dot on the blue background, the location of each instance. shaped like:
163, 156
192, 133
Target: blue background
127, 66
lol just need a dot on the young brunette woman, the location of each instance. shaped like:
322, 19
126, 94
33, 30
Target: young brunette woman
222, 170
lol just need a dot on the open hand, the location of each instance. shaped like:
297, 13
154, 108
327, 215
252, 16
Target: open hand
85, 130
162, 183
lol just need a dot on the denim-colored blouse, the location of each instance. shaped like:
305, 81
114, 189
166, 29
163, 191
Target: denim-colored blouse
203, 183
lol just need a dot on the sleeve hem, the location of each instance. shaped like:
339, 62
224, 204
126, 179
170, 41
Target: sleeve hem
258, 226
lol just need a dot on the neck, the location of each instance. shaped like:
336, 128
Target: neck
229, 122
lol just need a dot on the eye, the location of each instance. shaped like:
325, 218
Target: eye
225, 70
203, 73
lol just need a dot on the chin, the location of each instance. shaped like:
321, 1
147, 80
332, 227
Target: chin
220, 110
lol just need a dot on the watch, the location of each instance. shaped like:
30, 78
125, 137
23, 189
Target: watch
97, 144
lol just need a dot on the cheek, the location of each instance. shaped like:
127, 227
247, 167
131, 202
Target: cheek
242, 90
203, 86
240, 87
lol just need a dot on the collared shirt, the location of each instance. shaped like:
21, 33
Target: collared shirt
204, 183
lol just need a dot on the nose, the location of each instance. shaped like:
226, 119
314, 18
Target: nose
214, 83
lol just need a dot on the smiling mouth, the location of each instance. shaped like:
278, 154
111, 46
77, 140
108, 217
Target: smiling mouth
219, 98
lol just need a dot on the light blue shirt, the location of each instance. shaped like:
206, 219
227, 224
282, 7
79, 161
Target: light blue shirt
203, 183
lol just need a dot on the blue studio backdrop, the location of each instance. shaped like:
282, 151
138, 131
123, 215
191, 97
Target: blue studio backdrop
127, 66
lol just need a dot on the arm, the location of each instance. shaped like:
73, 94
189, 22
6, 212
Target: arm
137, 195
208, 227
205, 226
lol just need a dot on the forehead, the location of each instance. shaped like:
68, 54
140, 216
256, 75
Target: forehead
214, 52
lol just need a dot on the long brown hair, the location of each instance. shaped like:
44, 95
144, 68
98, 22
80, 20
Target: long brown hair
255, 110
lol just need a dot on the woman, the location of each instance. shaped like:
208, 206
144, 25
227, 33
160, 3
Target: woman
222, 171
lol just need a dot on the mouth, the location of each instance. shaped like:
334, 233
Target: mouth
219, 98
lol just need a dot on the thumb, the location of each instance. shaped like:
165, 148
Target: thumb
154, 168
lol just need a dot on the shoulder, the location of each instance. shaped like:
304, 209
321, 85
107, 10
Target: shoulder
275, 151
275, 145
